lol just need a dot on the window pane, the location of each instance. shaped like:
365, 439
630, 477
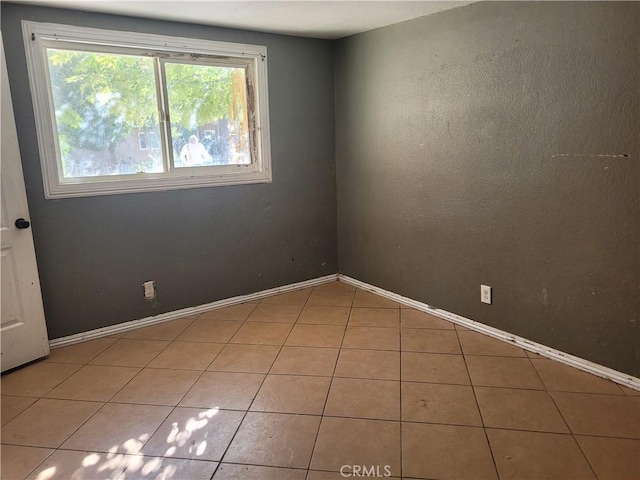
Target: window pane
106, 113
208, 111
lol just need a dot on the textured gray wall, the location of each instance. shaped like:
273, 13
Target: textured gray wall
199, 245
468, 152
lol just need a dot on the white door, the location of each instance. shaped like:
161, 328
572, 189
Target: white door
22, 329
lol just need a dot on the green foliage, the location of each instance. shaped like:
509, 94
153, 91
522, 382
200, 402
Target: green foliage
198, 90
99, 98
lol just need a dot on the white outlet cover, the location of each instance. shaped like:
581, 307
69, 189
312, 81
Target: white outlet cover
149, 289
485, 294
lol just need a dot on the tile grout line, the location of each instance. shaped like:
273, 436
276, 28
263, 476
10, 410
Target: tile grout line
41, 397
109, 401
249, 406
475, 397
510, 429
145, 366
53, 450
192, 385
400, 378
246, 412
546, 389
326, 400
56, 449
124, 469
315, 346
564, 420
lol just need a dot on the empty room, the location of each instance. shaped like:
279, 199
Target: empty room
317, 240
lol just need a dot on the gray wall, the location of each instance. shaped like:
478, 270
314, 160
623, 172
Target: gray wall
199, 245
468, 148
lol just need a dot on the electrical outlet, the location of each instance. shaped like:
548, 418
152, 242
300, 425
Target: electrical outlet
485, 294
149, 289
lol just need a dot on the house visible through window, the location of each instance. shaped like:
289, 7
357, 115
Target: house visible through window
121, 112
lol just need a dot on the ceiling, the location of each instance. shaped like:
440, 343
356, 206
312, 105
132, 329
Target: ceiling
307, 18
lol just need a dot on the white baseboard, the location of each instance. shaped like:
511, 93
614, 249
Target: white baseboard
548, 352
185, 312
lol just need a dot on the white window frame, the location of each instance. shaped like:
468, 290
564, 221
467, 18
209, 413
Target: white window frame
39, 36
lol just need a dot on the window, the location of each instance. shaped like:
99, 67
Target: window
120, 112
142, 141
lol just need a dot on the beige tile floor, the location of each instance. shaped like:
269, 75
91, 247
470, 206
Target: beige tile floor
297, 386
